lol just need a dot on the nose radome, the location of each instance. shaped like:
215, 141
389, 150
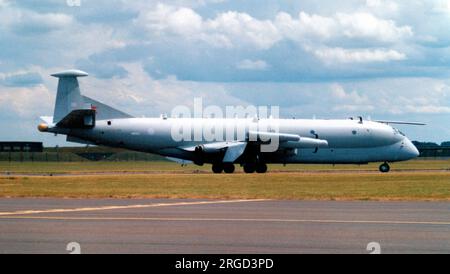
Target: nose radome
409, 150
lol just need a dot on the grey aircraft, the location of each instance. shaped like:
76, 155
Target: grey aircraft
350, 141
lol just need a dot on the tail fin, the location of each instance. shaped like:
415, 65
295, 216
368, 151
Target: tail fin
69, 97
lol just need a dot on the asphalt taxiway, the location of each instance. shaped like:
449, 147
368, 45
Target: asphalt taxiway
231, 226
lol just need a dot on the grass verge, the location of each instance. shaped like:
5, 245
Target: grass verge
415, 186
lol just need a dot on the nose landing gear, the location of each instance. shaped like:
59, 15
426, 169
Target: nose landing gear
385, 168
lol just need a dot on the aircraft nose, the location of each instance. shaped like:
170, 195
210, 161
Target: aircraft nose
409, 150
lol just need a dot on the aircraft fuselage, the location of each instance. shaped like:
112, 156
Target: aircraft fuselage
349, 141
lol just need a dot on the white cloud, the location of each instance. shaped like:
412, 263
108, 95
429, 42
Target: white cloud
365, 25
229, 29
427, 109
442, 6
181, 21
185, 21
339, 92
305, 26
252, 65
30, 22
241, 27
140, 95
340, 55
51, 38
26, 102
358, 25
234, 29
353, 108
388, 6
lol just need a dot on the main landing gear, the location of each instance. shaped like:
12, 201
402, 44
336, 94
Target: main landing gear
252, 168
248, 168
227, 168
385, 168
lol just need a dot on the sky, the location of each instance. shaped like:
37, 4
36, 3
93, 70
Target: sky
383, 60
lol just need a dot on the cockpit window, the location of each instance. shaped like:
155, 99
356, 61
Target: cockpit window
396, 131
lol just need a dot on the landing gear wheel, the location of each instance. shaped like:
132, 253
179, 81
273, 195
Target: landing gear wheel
249, 168
385, 168
261, 168
229, 168
217, 169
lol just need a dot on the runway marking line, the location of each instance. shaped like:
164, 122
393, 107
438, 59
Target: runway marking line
102, 208
223, 220
18, 215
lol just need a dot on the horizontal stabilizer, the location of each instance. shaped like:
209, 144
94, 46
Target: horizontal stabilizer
80, 118
105, 112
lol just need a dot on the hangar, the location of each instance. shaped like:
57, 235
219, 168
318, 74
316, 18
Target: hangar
21, 147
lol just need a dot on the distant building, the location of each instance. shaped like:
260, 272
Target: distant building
21, 147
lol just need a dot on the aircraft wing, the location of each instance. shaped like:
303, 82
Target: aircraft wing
179, 161
210, 147
233, 150
402, 123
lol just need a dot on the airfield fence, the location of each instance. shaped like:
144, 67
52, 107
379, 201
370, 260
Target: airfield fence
119, 155
78, 157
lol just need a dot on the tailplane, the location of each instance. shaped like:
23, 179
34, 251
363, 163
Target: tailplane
105, 112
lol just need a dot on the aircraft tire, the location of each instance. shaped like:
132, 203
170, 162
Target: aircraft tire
249, 168
229, 168
261, 168
385, 168
217, 169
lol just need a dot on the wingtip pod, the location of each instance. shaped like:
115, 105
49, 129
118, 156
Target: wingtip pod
43, 127
70, 73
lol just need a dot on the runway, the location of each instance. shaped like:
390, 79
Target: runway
228, 226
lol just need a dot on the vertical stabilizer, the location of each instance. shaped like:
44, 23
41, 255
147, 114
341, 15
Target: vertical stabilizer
69, 96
